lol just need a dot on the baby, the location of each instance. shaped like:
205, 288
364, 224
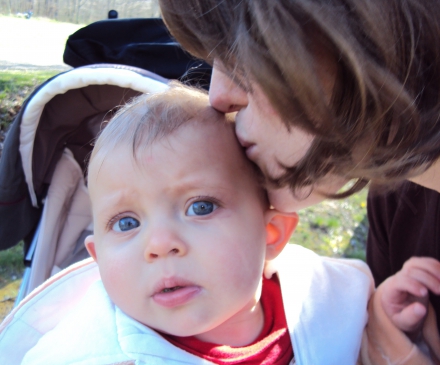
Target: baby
191, 268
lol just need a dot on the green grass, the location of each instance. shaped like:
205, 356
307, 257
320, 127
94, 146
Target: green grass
20, 81
11, 264
334, 227
15, 86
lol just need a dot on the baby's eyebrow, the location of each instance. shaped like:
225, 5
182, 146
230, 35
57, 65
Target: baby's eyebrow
199, 185
114, 199
187, 180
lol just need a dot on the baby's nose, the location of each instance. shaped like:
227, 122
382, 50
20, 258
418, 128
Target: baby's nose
164, 244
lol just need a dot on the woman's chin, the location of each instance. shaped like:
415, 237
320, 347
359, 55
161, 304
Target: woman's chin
284, 201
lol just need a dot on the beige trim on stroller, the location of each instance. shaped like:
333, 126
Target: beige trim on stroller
74, 79
66, 215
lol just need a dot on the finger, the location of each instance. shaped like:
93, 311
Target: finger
428, 264
410, 318
423, 276
404, 284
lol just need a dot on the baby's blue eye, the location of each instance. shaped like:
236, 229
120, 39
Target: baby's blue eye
201, 208
125, 224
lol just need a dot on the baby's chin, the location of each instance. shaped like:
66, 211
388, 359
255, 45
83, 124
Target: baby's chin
178, 332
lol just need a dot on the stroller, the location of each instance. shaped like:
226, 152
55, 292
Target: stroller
43, 196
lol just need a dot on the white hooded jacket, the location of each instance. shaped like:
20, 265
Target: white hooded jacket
71, 320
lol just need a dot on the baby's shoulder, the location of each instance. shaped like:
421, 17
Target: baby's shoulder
321, 295
297, 261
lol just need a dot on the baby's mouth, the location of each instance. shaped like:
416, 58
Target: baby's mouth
170, 290
174, 292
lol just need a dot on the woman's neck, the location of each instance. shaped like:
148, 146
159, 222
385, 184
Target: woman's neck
430, 178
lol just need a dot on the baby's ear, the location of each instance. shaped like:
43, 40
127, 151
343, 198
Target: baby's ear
90, 246
279, 228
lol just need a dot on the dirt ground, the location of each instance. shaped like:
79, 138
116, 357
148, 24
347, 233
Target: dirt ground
33, 42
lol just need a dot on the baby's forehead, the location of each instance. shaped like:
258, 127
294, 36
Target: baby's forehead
199, 153
198, 138
211, 128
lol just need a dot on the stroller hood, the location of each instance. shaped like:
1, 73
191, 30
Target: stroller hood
65, 112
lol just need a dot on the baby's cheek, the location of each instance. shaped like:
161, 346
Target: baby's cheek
115, 275
242, 269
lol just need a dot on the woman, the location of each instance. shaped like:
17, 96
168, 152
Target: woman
328, 92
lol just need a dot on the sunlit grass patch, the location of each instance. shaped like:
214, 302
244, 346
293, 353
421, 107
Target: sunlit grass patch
334, 227
11, 264
15, 86
21, 82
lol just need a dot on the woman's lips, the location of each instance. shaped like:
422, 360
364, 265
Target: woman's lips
243, 142
251, 152
174, 292
249, 147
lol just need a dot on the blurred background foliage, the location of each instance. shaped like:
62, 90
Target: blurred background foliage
335, 228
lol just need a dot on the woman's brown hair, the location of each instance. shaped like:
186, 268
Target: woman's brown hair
381, 123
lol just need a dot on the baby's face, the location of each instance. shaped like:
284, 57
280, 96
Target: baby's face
180, 233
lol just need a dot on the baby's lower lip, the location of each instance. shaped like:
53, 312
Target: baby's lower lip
179, 296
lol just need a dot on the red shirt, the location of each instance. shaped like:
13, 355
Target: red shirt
272, 347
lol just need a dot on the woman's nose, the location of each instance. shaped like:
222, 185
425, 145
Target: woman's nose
162, 244
224, 94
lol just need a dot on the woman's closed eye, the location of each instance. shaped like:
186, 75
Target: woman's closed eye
201, 207
125, 224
